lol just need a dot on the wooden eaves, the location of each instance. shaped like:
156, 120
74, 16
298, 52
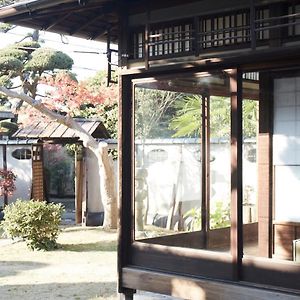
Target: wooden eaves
93, 19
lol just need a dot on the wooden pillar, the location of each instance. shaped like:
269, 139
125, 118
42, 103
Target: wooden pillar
126, 180
4, 149
38, 183
127, 296
126, 161
236, 233
265, 180
79, 176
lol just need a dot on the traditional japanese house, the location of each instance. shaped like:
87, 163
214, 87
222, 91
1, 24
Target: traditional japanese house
209, 57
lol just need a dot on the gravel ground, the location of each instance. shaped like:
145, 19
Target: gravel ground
83, 267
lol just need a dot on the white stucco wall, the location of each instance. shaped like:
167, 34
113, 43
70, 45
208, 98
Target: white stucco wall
93, 183
179, 174
23, 169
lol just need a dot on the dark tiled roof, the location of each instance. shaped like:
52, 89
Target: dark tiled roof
54, 131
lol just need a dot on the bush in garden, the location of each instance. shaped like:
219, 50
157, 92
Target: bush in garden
35, 222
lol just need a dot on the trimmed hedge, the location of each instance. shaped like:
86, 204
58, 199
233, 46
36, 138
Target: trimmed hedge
36, 222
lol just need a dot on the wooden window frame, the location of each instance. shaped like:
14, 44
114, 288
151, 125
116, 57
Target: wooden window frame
197, 262
259, 271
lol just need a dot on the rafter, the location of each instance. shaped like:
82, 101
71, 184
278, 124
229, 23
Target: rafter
88, 23
57, 21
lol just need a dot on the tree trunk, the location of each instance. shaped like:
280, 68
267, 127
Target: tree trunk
108, 188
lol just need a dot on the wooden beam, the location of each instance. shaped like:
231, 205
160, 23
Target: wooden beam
236, 235
94, 35
186, 287
272, 272
194, 262
49, 11
99, 13
87, 23
57, 21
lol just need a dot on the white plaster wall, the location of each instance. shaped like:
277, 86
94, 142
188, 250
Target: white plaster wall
180, 173
23, 170
93, 183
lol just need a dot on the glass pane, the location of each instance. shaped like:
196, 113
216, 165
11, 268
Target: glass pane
250, 166
220, 173
173, 126
168, 161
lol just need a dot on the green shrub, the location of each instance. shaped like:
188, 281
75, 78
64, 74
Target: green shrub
35, 222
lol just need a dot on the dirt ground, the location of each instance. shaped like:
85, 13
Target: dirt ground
84, 267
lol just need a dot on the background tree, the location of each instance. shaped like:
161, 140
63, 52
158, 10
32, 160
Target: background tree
30, 65
154, 108
186, 123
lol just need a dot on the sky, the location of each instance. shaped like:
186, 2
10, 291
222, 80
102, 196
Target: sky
85, 64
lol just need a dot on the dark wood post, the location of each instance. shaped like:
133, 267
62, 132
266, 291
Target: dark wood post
125, 151
126, 176
79, 185
236, 233
5, 196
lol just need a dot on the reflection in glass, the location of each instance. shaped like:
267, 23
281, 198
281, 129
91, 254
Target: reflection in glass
250, 167
167, 172
220, 173
182, 161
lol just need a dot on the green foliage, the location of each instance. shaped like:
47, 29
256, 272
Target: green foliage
18, 54
95, 82
250, 117
10, 65
154, 110
188, 117
186, 123
7, 2
44, 59
27, 61
195, 214
5, 81
8, 127
72, 149
5, 27
220, 217
34, 221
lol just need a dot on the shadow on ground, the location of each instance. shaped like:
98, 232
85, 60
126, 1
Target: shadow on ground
12, 268
104, 246
75, 291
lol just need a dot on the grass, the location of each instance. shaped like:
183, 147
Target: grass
97, 246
